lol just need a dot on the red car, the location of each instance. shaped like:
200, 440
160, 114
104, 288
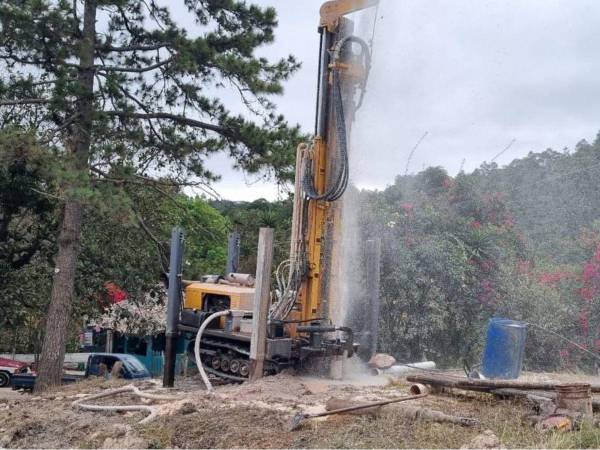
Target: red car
10, 367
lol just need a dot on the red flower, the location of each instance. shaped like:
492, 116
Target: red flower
584, 321
115, 294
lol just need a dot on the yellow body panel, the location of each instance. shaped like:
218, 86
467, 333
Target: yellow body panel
242, 298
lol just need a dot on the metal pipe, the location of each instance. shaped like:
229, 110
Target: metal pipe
418, 388
322, 101
401, 369
300, 417
173, 305
233, 253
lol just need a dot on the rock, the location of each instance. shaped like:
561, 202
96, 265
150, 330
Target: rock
556, 422
487, 439
127, 441
382, 361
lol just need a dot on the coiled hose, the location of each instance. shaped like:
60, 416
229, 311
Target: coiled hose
201, 370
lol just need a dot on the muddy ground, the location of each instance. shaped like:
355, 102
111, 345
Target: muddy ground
258, 415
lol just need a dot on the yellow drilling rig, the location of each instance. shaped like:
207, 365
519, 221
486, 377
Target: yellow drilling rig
300, 332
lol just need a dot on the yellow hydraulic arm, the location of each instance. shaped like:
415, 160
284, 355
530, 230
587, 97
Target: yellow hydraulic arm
332, 11
312, 208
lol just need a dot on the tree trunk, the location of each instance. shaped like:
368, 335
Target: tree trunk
61, 301
63, 286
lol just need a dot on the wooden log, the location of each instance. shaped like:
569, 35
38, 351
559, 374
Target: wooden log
410, 412
440, 381
485, 385
535, 396
262, 298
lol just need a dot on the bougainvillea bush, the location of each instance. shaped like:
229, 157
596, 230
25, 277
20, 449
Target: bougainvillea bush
139, 317
454, 255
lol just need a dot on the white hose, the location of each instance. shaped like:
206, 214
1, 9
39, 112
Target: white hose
197, 345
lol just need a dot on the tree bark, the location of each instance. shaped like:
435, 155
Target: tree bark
63, 286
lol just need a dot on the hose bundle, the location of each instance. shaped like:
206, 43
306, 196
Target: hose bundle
337, 188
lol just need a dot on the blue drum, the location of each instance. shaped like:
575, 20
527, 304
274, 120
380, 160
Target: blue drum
504, 348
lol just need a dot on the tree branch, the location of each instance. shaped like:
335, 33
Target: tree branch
130, 48
174, 117
134, 69
25, 101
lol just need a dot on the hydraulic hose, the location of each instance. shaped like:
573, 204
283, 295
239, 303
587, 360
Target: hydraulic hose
201, 370
337, 188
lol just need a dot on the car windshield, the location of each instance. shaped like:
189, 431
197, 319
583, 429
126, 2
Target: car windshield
133, 364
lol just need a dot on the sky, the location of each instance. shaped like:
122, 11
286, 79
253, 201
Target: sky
472, 76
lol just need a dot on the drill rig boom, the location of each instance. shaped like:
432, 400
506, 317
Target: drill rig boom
300, 330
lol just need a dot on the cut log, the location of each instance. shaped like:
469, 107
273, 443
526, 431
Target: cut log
410, 412
441, 381
484, 385
535, 396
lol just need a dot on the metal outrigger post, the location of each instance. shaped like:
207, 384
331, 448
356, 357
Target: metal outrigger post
173, 304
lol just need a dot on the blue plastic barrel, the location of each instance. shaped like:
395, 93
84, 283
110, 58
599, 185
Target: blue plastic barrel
504, 348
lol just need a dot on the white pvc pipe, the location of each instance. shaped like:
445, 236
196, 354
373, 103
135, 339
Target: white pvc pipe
197, 345
401, 369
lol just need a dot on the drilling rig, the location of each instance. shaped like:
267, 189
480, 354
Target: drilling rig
300, 332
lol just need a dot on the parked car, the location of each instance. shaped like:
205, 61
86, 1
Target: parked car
98, 365
10, 367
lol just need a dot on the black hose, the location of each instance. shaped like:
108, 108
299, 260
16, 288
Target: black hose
337, 188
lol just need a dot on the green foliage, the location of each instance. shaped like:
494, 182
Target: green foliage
126, 244
154, 102
125, 103
27, 217
248, 217
520, 242
445, 248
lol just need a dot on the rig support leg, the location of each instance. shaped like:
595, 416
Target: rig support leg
373, 266
262, 298
233, 253
173, 305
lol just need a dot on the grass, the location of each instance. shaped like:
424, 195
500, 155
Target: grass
258, 428
221, 425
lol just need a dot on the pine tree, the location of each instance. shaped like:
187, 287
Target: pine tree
125, 95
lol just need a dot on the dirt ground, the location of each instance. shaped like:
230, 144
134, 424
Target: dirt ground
258, 415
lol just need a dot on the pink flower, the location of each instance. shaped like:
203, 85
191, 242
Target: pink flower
587, 293
584, 321
407, 207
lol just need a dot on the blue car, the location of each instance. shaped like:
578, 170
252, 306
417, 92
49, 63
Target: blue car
98, 365
101, 364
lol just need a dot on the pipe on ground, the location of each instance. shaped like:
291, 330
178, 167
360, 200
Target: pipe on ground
402, 369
